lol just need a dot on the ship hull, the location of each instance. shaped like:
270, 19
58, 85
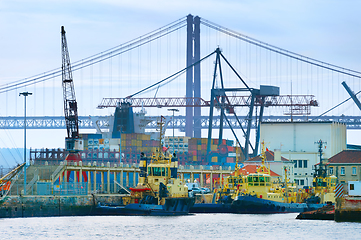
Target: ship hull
212, 208
172, 207
348, 209
250, 204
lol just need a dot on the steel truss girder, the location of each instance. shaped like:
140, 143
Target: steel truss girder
235, 101
58, 122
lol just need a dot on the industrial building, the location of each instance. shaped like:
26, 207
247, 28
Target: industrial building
298, 142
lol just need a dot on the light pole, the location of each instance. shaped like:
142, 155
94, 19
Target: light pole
173, 110
25, 94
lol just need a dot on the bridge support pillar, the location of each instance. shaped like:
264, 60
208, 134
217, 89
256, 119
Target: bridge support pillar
197, 77
189, 76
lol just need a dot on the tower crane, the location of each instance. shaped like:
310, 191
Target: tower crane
70, 104
72, 142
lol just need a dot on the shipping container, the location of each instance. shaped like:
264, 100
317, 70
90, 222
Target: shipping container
114, 141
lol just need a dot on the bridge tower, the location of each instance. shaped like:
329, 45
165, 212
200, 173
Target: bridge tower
193, 76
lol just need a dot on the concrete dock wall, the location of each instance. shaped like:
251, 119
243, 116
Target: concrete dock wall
48, 206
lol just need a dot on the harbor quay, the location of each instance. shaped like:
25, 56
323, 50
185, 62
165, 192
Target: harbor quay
74, 189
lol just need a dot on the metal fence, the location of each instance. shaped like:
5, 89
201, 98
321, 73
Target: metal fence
67, 188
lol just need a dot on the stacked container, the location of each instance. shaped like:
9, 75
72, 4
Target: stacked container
221, 154
133, 144
190, 151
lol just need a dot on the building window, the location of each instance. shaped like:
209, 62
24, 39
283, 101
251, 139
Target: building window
299, 163
342, 170
295, 161
331, 170
305, 163
297, 182
302, 182
352, 187
295, 173
353, 170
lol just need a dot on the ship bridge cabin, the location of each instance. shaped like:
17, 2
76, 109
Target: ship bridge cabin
259, 179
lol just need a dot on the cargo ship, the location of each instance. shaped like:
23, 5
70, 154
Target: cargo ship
159, 192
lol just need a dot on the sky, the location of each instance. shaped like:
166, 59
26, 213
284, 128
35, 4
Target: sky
30, 35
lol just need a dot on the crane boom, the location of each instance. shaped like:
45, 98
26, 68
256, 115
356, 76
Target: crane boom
70, 103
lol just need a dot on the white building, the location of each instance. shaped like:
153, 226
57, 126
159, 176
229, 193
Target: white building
298, 143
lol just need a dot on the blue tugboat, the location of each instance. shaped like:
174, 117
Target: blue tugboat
159, 192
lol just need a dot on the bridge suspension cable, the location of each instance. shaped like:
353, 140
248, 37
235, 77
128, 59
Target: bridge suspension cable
171, 76
96, 58
281, 51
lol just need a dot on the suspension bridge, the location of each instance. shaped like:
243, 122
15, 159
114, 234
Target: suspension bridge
173, 66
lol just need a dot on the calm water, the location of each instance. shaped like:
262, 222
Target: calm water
199, 226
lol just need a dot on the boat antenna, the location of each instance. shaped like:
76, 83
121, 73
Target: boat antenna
263, 167
161, 136
236, 169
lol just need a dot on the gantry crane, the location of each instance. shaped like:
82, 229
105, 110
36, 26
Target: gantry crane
266, 96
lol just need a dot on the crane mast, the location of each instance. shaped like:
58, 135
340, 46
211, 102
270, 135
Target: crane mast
70, 104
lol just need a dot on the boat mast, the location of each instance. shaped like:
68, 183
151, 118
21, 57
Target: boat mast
263, 167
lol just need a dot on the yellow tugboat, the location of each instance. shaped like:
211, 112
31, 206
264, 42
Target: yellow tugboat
159, 191
263, 196
323, 190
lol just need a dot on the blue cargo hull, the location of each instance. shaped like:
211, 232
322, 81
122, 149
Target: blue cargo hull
212, 208
250, 204
172, 207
